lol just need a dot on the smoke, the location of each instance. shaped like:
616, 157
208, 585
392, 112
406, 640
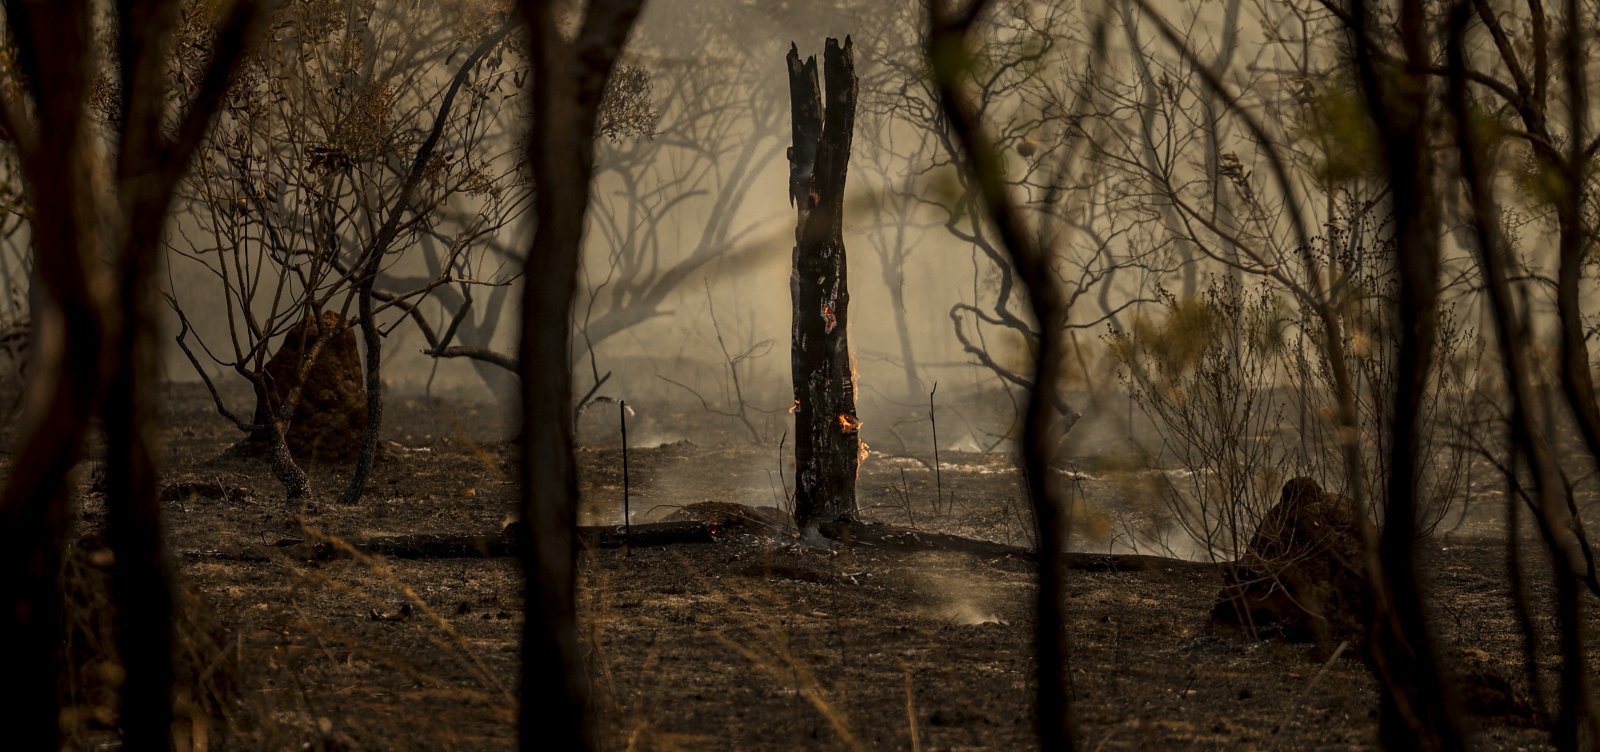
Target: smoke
958, 598
684, 291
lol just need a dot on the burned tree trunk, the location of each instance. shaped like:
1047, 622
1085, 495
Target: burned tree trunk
827, 445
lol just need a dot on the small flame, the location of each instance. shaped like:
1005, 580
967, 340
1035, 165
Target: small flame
861, 456
849, 423
794, 408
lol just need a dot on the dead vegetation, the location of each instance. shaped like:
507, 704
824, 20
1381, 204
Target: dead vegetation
750, 640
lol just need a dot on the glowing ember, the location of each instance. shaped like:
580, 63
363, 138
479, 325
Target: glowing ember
832, 321
849, 423
794, 408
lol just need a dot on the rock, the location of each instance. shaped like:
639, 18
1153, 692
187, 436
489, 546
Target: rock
332, 413
1302, 575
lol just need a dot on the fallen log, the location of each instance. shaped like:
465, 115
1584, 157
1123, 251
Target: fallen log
893, 538
684, 532
465, 546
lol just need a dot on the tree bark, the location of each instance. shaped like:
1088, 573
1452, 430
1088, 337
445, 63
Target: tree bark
64, 382
827, 441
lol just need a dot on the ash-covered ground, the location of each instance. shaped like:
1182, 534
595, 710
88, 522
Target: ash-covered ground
751, 642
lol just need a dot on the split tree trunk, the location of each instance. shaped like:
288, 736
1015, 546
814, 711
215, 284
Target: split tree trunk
827, 444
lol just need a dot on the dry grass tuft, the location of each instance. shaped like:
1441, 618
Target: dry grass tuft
206, 660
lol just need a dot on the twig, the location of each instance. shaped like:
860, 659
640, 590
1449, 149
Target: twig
589, 396
706, 405
1338, 651
479, 354
788, 498
938, 477
627, 519
222, 409
911, 710
756, 350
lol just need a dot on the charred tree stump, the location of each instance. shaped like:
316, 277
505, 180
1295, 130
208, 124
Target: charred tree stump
827, 445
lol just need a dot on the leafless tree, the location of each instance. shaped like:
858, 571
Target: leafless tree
470, 310
1417, 706
896, 106
359, 133
1028, 87
720, 131
1530, 437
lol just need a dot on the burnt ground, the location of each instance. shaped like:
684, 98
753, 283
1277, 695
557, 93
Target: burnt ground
749, 643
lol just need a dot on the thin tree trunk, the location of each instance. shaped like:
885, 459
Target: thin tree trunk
1577, 728
1416, 707
141, 587
33, 525
382, 241
98, 355
1562, 534
894, 277
140, 583
949, 56
568, 80
63, 379
827, 441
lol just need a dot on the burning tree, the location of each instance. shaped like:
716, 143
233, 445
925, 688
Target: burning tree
827, 443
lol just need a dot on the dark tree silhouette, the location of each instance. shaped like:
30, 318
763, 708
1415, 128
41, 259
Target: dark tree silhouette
96, 246
1561, 529
1417, 709
568, 80
947, 52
